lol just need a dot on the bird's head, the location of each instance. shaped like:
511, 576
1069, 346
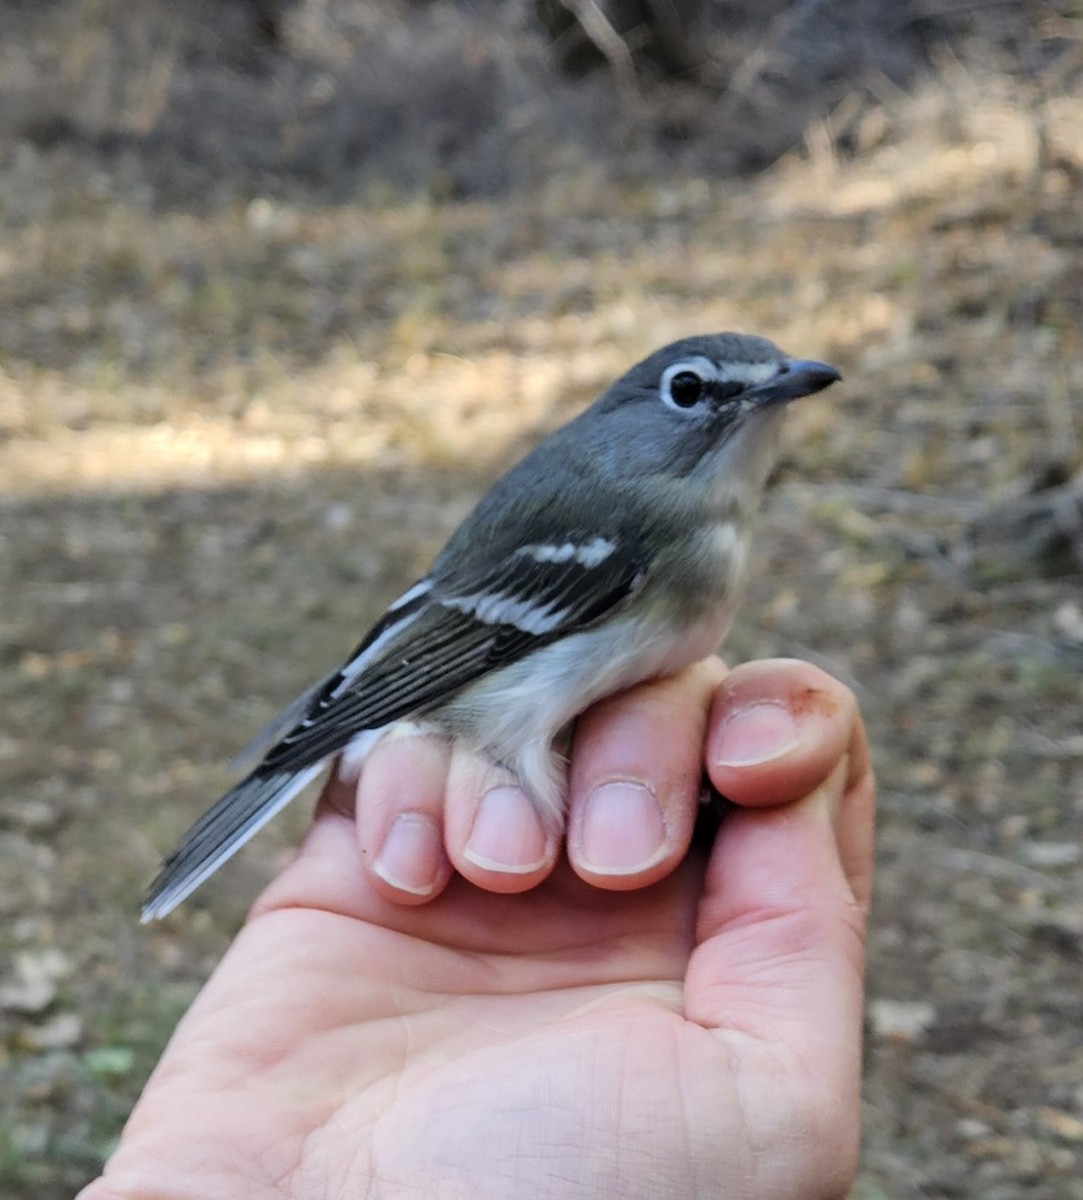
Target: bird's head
707, 405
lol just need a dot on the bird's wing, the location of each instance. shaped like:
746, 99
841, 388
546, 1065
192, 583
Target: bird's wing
448, 631
445, 632
275, 730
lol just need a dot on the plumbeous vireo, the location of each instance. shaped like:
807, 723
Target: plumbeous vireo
611, 554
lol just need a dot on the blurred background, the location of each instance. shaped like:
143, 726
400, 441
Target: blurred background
285, 283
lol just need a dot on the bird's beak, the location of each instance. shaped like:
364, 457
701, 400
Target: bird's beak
798, 377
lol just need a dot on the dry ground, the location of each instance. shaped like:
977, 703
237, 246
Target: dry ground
228, 437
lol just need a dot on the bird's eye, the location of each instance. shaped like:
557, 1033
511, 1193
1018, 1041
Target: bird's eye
685, 389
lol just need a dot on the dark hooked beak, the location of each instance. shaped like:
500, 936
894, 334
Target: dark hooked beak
798, 377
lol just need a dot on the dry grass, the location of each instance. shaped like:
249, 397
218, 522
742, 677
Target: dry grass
228, 436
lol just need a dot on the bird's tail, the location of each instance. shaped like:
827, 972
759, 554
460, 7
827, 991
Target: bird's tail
220, 833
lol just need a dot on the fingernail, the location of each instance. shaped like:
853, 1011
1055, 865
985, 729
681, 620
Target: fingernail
412, 854
623, 830
507, 834
755, 734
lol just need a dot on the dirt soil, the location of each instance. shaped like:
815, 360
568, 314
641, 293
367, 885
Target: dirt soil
231, 431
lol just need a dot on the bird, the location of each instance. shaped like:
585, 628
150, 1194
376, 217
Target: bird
612, 553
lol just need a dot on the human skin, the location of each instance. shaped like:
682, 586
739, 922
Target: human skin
604, 1023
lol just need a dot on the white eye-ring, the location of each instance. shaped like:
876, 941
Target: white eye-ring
686, 384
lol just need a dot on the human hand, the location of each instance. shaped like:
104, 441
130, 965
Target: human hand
697, 1035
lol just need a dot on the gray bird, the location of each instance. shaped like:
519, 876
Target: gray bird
612, 553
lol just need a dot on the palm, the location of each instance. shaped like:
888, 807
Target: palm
438, 1038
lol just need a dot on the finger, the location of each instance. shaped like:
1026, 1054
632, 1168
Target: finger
400, 827
636, 777
778, 967
778, 729
494, 835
